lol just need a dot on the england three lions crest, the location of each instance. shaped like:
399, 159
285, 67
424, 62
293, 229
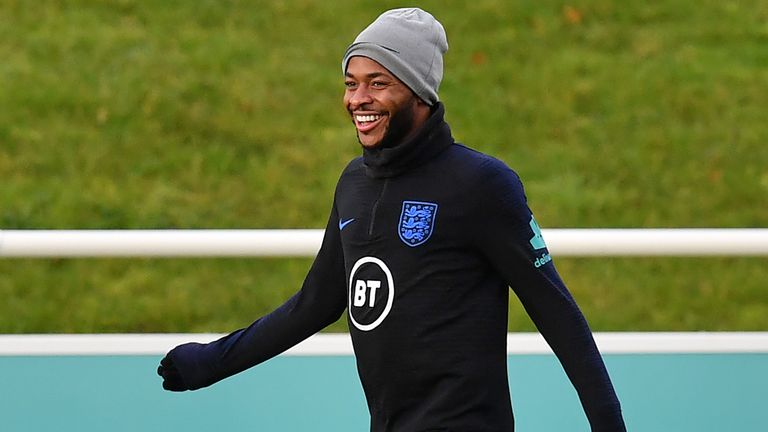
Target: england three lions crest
416, 222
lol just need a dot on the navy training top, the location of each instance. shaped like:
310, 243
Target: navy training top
422, 243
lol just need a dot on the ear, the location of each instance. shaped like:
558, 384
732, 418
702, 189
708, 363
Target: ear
422, 106
422, 110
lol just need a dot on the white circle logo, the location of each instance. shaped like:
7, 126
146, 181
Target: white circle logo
371, 293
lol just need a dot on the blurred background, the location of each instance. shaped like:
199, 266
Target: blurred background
228, 114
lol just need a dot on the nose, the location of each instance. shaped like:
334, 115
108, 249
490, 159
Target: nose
359, 96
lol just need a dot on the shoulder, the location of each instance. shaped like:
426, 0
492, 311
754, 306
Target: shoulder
351, 174
493, 187
477, 161
354, 166
485, 171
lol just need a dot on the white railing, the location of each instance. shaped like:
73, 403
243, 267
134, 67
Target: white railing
306, 242
330, 344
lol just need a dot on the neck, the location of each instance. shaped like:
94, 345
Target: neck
406, 124
417, 148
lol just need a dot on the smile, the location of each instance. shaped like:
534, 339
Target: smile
367, 122
367, 118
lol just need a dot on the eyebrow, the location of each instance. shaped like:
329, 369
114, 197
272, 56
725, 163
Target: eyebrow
369, 76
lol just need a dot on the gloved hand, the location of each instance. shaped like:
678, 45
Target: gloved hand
187, 367
172, 379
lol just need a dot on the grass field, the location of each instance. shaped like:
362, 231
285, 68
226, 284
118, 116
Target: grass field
227, 114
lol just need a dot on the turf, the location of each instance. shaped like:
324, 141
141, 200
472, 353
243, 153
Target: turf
227, 114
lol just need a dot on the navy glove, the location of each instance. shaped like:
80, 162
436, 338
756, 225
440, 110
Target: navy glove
193, 365
172, 379
187, 367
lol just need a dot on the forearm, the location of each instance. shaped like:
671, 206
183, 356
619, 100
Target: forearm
558, 318
204, 364
320, 302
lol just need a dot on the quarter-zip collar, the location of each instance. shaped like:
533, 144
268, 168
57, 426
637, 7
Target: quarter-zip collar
433, 137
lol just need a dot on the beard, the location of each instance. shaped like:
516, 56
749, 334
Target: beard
400, 125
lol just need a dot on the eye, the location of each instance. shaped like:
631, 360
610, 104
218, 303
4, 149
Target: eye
350, 84
378, 84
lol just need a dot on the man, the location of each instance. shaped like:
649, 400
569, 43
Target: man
425, 237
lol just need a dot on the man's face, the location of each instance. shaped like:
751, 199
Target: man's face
383, 109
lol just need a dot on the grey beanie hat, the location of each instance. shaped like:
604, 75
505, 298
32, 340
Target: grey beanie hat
410, 43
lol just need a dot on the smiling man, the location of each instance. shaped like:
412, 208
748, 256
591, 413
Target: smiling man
384, 110
424, 239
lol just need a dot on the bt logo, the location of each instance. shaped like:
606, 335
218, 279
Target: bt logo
371, 293
361, 287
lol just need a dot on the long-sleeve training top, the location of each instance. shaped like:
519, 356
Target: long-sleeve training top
423, 242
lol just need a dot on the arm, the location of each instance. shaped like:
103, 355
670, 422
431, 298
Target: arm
319, 303
510, 239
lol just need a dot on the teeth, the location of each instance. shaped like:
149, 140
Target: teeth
367, 118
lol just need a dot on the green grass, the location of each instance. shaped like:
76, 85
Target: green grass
227, 114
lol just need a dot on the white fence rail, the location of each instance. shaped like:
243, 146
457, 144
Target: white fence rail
306, 242
329, 344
